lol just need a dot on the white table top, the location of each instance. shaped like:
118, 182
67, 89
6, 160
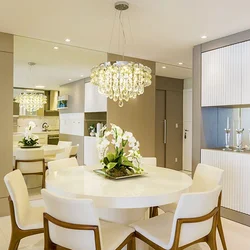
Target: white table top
48, 149
160, 186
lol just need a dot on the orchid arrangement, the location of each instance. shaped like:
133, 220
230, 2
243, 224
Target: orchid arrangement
125, 158
29, 139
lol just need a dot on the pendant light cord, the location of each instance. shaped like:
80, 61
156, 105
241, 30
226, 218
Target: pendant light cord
123, 34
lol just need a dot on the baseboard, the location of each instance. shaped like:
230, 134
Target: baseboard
4, 207
235, 216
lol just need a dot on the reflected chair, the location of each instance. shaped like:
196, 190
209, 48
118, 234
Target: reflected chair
74, 151
31, 162
25, 219
205, 178
76, 226
194, 221
64, 144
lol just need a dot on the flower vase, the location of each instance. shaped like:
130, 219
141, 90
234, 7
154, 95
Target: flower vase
227, 139
239, 133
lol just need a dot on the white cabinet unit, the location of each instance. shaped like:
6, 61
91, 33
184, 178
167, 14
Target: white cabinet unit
94, 101
222, 76
235, 184
246, 72
90, 151
72, 124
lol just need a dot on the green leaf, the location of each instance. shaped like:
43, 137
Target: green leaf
128, 164
111, 165
106, 161
110, 157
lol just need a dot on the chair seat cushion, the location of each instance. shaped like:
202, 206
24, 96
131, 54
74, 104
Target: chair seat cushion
33, 219
113, 234
169, 207
157, 229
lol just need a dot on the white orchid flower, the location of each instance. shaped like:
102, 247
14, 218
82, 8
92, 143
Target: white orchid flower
127, 135
31, 125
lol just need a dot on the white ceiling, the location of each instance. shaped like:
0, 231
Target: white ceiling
53, 67
163, 30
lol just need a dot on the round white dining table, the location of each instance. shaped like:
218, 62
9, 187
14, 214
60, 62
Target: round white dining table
124, 200
48, 150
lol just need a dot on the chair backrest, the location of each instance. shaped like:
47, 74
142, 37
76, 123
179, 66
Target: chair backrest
206, 178
63, 155
63, 163
64, 144
31, 160
194, 205
151, 161
18, 192
74, 150
75, 211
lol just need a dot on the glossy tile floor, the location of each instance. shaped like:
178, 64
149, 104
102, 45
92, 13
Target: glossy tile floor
237, 236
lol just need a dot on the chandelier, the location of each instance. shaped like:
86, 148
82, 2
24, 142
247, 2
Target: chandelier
121, 80
31, 101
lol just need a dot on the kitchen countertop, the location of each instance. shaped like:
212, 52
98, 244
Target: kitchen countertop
41, 132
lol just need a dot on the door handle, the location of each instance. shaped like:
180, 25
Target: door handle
165, 131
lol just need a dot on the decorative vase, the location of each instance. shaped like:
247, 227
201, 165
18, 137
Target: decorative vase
227, 139
92, 133
239, 133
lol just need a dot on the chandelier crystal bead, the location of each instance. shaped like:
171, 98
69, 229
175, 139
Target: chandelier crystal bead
121, 80
31, 101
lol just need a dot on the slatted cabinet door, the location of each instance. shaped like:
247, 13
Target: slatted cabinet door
222, 76
235, 184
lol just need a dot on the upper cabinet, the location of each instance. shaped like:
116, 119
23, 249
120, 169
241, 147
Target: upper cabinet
222, 76
94, 101
246, 72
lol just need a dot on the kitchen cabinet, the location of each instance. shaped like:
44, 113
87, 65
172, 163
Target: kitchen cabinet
94, 101
222, 76
235, 182
246, 72
90, 151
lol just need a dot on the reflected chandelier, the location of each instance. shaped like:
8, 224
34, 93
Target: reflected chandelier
31, 101
121, 80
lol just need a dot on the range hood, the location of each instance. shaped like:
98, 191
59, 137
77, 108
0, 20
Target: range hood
52, 96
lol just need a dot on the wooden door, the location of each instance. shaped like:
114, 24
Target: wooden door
174, 117
160, 128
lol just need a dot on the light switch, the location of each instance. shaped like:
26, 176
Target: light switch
176, 125
176, 159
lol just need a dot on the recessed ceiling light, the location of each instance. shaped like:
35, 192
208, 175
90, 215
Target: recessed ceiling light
29, 90
70, 79
56, 47
180, 63
163, 67
81, 75
67, 40
40, 87
204, 37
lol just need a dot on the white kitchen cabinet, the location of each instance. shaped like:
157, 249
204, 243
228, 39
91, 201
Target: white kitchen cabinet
235, 183
246, 72
72, 124
90, 151
222, 76
94, 101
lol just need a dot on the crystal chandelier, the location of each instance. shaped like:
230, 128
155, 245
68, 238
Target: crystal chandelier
121, 80
31, 101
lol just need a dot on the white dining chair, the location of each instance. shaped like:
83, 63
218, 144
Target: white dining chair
30, 162
194, 221
63, 163
64, 144
25, 219
74, 151
76, 226
206, 177
151, 161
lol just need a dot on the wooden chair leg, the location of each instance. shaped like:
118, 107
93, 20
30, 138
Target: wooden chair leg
14, 242
221, 233
211, 238
132, 244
